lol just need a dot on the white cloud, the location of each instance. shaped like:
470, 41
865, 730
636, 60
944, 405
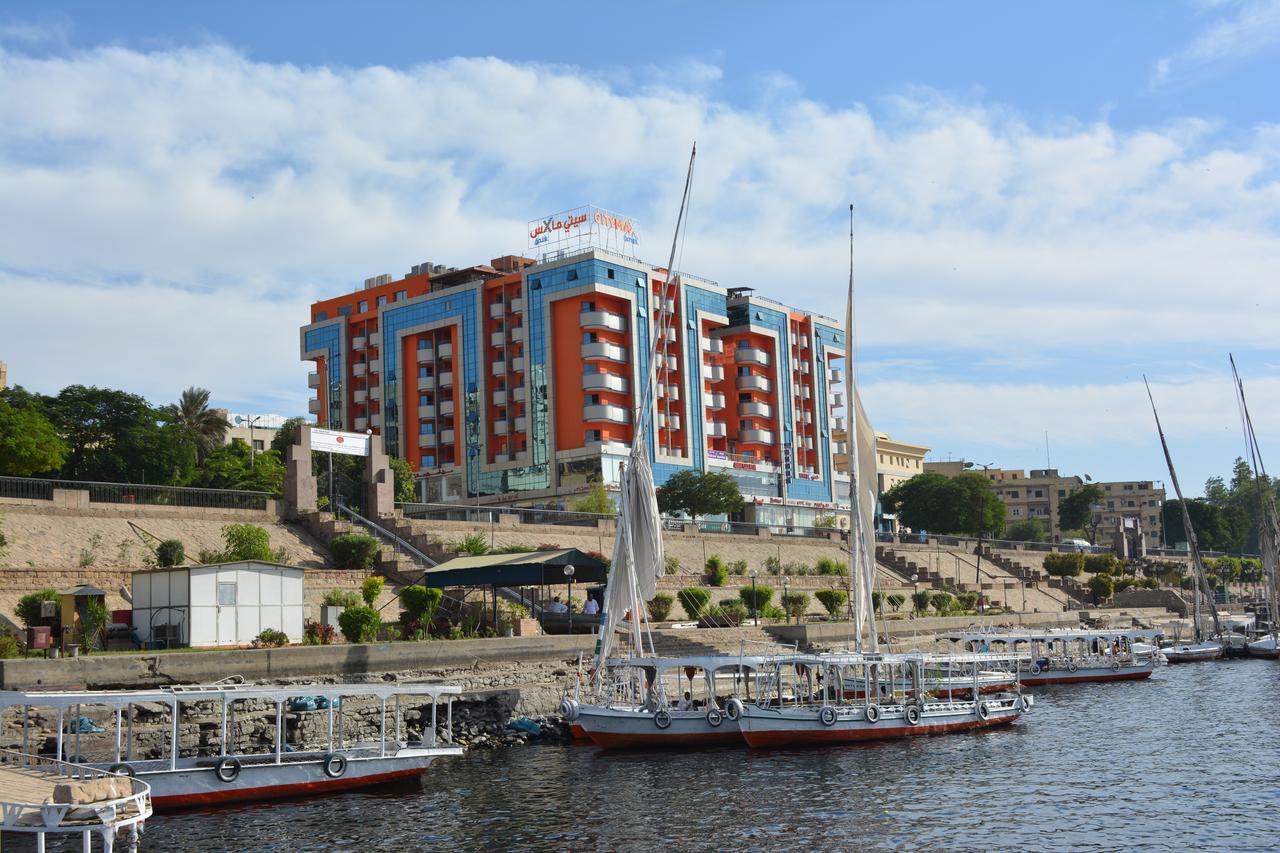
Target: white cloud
193, 195
1251, 27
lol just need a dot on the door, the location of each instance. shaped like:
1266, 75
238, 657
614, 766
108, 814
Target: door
227, 595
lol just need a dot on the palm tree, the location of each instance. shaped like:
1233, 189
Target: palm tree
207, 426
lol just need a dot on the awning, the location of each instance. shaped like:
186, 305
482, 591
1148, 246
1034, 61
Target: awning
530, 569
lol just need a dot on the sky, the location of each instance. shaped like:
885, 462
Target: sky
1051, 200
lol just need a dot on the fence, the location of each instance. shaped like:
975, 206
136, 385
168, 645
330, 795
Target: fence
25, 488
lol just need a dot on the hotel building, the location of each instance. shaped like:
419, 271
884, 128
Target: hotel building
518, 380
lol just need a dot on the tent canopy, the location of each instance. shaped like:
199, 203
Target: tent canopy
530, 569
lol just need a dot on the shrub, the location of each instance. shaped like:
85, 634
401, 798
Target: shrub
796, 570
170, 553
474, 545
772, 566
896, 600
246, 542
942, 601
756, 598
354, 551
371, 589
1096, 564
877, 599
833, 600
773, 611
1064, 565
421, 602
271, 638
548, 546
1102, 586
694, 600
660, 606
717, 572
1124, 583
920, 600
513, 549
734, 609
968, 600
28, 608
341, 598
9, 647
672, 565
825, 521
828, 566
318, 634
796, 604
360, 624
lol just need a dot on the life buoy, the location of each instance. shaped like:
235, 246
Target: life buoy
122, 769
334, 765
733, 708
1071, 667
1035, 669
1115, 666
873, 713
714, 718
913, 715
227, 768
662, 719
569, 709
984, 711
827, 716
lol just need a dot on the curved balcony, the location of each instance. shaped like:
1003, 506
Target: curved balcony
755, 436
426, 355
836, 401
446, 436
500, 397
604, 382
670, 392
446, 379
361, 396
606, 320
715, 346
668, 422
499, 427
754, 383
426, 411
498, 339
359, 342
716, 429
715, 401
446, 409
359, 368
607, 413
445, 350
604, 350
361, 424
375, 365
313, 406
751, 355
755, 410
427, 439
497, 309
517, 364
714, 372
313, 380
426, 383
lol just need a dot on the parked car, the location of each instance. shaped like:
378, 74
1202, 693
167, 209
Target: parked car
1081, 545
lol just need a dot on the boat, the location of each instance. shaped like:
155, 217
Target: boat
1267, 646
1065, 656
251, 742
1192, 652
1264, 647
794, 708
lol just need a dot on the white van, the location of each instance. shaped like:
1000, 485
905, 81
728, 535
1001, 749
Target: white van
1081, 545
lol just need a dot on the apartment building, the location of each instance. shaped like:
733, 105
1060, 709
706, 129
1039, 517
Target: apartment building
520, 380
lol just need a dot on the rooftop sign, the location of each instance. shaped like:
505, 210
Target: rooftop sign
583, 228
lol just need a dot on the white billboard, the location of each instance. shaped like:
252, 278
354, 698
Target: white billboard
583, 228
333, 441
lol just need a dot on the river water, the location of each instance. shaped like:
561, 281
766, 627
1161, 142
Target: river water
1186, 759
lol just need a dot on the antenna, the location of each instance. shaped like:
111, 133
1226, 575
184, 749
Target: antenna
1047, 462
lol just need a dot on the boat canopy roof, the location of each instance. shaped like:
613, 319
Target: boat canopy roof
533, 568
224, 693
1053, 635
707, 662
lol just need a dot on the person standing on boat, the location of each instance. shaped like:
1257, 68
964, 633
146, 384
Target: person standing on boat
591, 608
686, 702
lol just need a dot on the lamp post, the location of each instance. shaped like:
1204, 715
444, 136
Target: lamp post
977, 563
915, 587
754, 615
786, 587
252, 422
568, 573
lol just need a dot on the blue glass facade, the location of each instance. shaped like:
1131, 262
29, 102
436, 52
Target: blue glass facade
329, 339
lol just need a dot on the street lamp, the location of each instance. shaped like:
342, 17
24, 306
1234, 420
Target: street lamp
977, 563
754, 615
568, 573
915, 587
786, 581
252, 422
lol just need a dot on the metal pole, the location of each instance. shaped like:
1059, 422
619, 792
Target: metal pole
333, 506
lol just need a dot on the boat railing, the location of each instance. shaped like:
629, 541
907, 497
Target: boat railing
108, 813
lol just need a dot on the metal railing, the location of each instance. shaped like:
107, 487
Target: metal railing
26, 488
490, 514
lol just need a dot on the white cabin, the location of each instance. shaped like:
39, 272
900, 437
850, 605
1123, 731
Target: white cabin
221, 604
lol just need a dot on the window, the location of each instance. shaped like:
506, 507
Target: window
382, 300
258, 445
744, 397
593, 399
609, 272
423, 343
594, 435
1062, 493
1039, 493
535, 284
427, 428
364, 306
226, 593
743, 370
589, 337
572, 276
321, 315
1013, 494
424, 399
423, 370
401, 295
344, 311
588, 307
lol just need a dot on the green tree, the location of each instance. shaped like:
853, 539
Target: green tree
696, 493
896, 600
406, 485
286, 436
236, 466
756, 598
1075, 511
832, 600
116, 437
694, 600
920, 600
1064, 565
354, 551
1217, 528
29, 444
1102, 586
244, 542
964, 504
595, 501
208, 427
1027, 530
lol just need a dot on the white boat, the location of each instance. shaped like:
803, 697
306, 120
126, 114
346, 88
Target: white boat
1192, 652
797, 710
1264, 647
1267, 646
301, 740
1065, 656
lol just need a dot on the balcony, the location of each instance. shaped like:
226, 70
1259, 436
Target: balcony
500, 397
804, 392
802, 367
807, 419
840, 448
802, 343
518, 394
426, 355
668, 334
313, 379
426, 383
497, 309
715, 346
361, 396
517, 364
604, 412
498, 368
446, 436
751, 355
517, 305
837, 424
808, 442
426, 412
521, 424
498, 339
499, 427
716, 429
446, 408
375, 419
501, 458
835, 374
606, 320
427, 439
714, 372
755, 436
670, 362
446, 379
604, 382
670, 392
359, 342
755, 410
836, 400
754, 383
605, 350
359, 368
375, 392
375, 366
361, 424
445, 350
313, 406
715, 401
666, 422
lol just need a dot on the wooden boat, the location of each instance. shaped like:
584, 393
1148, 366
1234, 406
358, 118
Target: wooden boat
1059, 656
320, 739
1267, 646
795, 710
1264, 647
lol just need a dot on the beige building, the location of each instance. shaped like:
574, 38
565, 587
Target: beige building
4, 376
1140, 499
896, 461
254, 430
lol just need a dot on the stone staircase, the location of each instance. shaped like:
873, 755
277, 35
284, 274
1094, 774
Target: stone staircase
746, 639
906, 569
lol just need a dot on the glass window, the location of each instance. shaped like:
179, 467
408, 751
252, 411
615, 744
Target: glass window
382, 300
321, 315
226, 593
609, 272
588, 307
401, 295
422, 370
344, 311
364, 305
572, 276
428, 462
423, 343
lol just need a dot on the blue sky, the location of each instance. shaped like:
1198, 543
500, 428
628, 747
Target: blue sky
1052, 199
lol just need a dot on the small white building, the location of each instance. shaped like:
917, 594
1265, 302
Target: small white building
221, 604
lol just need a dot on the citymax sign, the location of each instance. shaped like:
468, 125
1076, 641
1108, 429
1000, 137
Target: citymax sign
584, 227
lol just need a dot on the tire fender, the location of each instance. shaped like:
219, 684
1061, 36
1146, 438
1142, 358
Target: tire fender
827, 716
569, 709
662, 720
873, 713
714, 718
984, 711
912, 715
334, 765
227, 768
733, 708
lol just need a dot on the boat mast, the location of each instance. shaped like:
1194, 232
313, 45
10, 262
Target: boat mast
1197, 565
860, 566
1268, 526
